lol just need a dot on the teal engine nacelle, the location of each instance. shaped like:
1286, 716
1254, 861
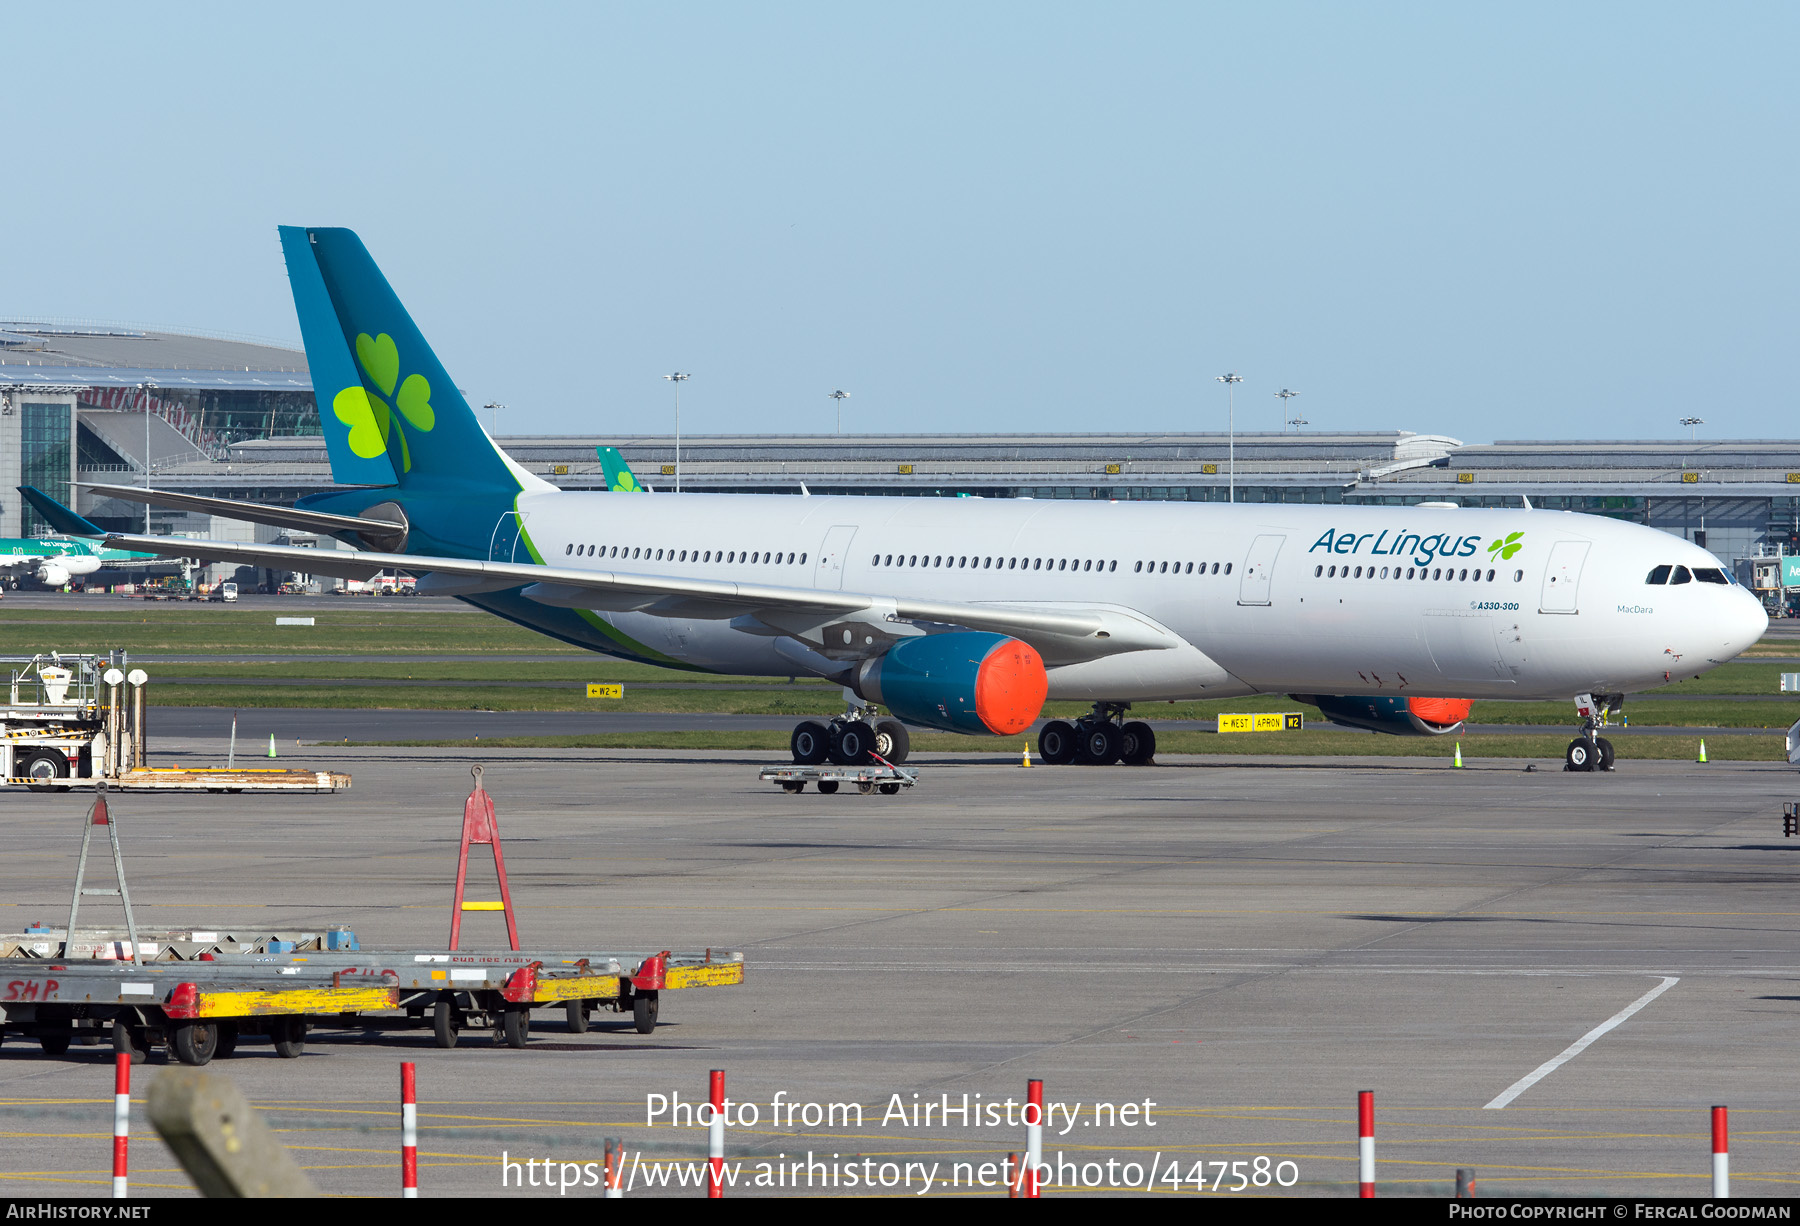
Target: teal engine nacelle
966, 681
1392, 714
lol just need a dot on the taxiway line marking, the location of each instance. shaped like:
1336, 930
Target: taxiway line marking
1580, 1045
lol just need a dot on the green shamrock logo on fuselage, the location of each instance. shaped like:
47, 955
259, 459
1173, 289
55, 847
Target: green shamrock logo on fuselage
1506, 548
372, 423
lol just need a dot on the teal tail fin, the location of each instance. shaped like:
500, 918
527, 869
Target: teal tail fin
619, 477
57, 515
390, 413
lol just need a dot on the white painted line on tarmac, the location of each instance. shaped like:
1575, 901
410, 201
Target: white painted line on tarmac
1580, 1045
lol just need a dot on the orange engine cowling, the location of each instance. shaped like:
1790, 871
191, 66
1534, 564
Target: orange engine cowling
968, 681
1394, 715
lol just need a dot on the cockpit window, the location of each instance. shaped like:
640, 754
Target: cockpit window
1659, 575
1710, 574
1682, 576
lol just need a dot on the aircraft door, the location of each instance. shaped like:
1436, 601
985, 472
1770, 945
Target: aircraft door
829, 573
1259, 569
1562, 577
506, 545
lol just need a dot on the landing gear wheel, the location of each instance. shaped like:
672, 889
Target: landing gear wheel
811, 743
289, 1034
515, 1027
1606, 753
892, 741
1056, 742
643, 1012
851, 742
56, 1042
446, 1021
1097, 743
44, 769
195, 1042
228, 1037
129, 1040
827, 786
578, 1018
1581, 756
1137, 744
890, 789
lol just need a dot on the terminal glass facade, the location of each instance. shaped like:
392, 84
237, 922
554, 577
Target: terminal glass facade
44, 435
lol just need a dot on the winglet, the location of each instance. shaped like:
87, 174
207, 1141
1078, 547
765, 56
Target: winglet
58, 516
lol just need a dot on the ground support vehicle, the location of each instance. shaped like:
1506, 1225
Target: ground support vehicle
201, 1009
879, 775
77, 721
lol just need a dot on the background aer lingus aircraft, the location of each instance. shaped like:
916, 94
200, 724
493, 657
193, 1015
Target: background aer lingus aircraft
967, 614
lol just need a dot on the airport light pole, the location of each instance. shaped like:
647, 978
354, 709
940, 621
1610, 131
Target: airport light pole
145, 389
1690, 423
1230, 379
677, 379
1285, 397
494, 416
840, 396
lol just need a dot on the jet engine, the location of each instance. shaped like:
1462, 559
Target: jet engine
53, 574
1395, 715
964, 681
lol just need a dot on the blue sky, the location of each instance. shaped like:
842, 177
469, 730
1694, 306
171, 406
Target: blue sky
1523, 221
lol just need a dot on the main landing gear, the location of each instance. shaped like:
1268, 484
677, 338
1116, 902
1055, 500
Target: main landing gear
1098, 739
1590, 751
852, 739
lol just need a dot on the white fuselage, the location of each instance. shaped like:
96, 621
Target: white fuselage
1262, 598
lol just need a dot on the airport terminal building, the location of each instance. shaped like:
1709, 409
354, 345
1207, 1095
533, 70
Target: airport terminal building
235, 418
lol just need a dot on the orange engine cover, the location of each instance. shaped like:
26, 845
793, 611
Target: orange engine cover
1443, 712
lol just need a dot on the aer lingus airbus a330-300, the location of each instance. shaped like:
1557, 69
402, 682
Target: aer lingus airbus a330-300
968, 614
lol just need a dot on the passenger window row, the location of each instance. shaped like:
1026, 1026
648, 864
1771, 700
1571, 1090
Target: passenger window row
1445, 573
1680, 574
640, 553
1164, 568
966, 562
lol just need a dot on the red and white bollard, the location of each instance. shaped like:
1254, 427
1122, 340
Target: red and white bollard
409, 1133
1034, 1137
1365, 1142
715, 1173
121, 1122
1721, 1156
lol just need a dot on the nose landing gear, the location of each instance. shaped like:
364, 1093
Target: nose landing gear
1590, 751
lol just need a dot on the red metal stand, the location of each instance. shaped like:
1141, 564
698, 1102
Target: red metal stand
479, 826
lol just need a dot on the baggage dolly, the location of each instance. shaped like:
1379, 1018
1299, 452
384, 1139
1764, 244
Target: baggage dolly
879, 774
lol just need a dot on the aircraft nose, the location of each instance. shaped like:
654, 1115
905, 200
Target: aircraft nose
1745, 622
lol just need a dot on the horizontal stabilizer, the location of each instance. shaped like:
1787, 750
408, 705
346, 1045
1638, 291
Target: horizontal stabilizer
373, 530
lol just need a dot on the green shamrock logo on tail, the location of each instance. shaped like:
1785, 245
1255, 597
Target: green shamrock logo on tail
1506, 548
373, 425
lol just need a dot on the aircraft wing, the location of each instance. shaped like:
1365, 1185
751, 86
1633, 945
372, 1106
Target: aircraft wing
1061, 634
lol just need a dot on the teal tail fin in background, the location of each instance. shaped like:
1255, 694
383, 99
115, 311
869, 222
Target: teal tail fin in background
619, 477
390, 413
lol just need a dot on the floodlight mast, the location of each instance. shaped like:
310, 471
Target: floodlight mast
1286, 396
840, 395
1691, 423
494, 417
677, 379
1230, 379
